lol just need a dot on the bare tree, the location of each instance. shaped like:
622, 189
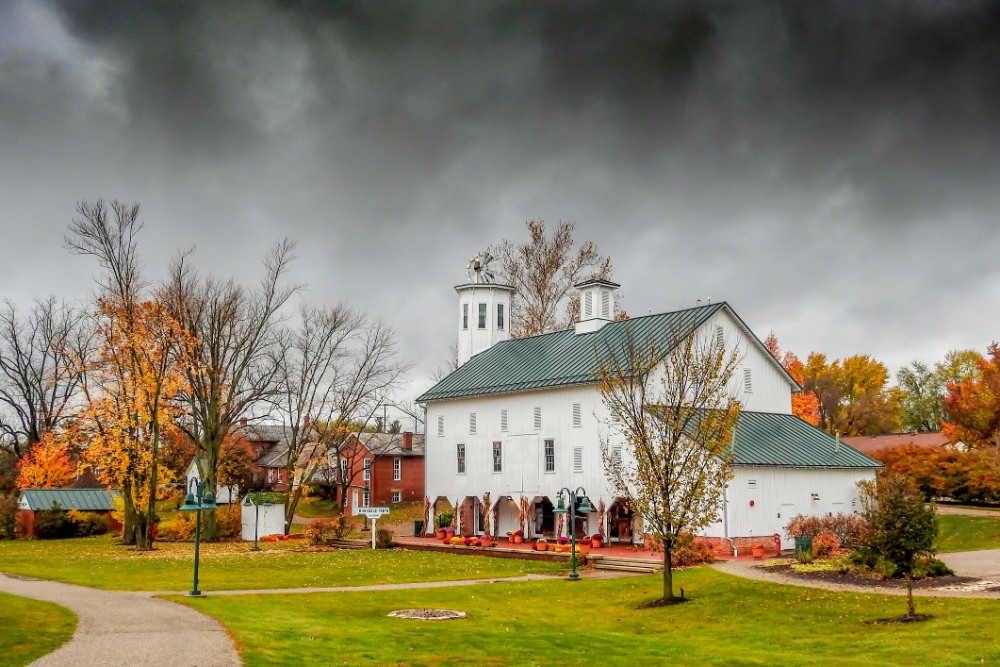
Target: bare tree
336, 367
39, 371
672, 407
543, 272
232, 367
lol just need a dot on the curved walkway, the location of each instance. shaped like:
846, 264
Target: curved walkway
972, 564
128, 629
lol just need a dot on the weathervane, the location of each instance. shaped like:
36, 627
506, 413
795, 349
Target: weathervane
479, 268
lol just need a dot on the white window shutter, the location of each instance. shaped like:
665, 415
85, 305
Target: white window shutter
538, 418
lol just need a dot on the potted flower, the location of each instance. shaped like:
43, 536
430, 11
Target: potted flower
518, 536
596, 541
757, 550
439, 533
542, 545
583, 546
562, 544
467, 541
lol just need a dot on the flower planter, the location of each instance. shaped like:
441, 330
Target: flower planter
584, 548
439, 533
541, 546
596, 544
757, 550
517, 539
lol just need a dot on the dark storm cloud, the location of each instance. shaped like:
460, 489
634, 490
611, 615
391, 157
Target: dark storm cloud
799, 159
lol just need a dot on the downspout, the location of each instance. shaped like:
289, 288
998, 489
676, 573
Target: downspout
725, 504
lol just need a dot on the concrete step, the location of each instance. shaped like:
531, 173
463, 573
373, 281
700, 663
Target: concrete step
349, 544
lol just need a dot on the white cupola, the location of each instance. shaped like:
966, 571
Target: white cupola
483, 309
597, 304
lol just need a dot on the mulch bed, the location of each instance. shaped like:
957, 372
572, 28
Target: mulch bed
876, 584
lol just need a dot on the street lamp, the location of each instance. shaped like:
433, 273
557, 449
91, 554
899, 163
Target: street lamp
561, 509
197, 500
256, 514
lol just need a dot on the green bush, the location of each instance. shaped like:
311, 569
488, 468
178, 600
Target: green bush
930, 567
8, 518
444, 518
54, 523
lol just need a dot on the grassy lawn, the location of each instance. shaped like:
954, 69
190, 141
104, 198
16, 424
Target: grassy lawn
728, 621
316, 508
99, 562
959, 532
31, 629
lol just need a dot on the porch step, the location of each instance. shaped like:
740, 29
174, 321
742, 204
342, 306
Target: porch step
626, 564
349, 544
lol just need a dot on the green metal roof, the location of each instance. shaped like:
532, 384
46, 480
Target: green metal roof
767, 439
68, 499
561, 358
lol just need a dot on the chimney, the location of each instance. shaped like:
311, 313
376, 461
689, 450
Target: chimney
243, 421
407, 439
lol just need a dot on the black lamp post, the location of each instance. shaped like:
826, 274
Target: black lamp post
256, 514
561, 509
197, 500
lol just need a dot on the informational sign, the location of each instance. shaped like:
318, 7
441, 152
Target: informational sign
372, 513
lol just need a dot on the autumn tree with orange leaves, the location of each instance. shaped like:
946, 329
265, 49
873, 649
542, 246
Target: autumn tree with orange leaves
805, 404
132, 379
972, 407
47, 466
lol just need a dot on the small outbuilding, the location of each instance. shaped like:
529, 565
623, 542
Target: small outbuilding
98, 501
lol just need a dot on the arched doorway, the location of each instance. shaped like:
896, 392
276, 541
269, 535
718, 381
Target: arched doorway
620, 519
542, 520
441, 504
505, 516
471, 516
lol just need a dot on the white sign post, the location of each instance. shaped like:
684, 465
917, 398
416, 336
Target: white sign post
372, 513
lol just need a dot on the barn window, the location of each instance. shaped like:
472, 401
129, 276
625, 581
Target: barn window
751, 484
482, 316
397, 496
720, 336
577, 416
440, 426
578, 459
550, 456
460, 459
503, 420
497, 457
397, 470
747, 382
500, 317
472, 422
538, 418
465, 316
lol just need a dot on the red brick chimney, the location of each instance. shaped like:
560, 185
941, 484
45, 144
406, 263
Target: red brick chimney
407, 439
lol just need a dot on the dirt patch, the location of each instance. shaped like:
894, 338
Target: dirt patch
428, 614
663, 602
951, 581
905, 618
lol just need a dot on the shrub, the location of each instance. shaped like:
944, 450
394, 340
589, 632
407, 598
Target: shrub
444, 518
54, 523
849, 529
228, 521
824, 544
8, 518
930, 567
181, 530
695, 553
89, 523
318, 531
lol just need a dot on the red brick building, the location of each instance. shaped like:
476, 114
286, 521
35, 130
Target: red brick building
384, 468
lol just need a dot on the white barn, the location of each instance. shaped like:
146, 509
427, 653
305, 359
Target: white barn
523, 418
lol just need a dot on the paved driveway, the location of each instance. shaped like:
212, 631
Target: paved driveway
982, 564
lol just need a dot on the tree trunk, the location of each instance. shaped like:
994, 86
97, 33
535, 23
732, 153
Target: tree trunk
911, 608
668, 575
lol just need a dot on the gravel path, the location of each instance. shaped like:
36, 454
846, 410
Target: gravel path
128, 629
968, 511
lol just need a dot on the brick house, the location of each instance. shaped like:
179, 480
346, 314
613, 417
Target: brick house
384, 468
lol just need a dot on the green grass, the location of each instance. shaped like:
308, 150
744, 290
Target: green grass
729, 621
31, 629
959, 532
99, 562
316, 508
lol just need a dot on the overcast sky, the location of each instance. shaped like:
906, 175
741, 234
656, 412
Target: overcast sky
832, 170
